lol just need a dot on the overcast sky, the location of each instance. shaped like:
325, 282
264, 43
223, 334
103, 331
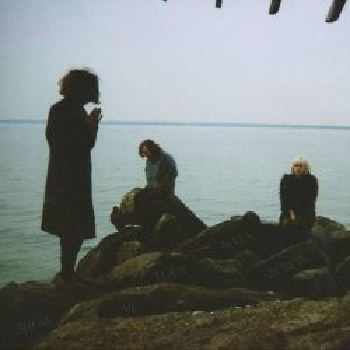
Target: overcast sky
180, 60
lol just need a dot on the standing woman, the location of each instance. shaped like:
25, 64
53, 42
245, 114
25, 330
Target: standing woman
71, 133
298, 193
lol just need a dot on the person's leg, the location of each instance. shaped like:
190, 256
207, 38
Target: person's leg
69, 252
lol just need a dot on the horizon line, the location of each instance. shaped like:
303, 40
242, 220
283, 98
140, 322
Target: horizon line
193, 123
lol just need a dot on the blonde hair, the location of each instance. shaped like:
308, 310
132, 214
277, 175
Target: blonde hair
301, 160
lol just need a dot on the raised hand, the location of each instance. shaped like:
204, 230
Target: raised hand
95, 115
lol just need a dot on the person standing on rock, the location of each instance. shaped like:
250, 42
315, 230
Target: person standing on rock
71, 134
298, 194
161, 170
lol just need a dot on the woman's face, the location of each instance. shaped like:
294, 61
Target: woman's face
299, 169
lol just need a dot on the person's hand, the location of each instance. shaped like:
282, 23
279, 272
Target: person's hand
95, 115
292, 215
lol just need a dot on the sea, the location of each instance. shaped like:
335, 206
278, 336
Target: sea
224, 170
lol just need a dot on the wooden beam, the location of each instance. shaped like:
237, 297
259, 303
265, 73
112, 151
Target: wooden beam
335, 10
218, 3
274, 6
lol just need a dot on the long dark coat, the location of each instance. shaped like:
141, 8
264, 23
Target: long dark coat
67, 208
299, 194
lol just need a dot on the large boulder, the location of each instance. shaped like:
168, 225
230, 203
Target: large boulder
314, 283
30, 310
277, 271
231, 237
165, 278
146, 206
271, 325
164, 297
151, 268
112, 250
342, 275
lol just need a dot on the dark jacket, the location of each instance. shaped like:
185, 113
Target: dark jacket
162, 173
299, 194
67, 208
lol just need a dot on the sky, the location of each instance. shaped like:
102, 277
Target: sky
180, 60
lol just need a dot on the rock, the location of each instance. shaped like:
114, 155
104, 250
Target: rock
113, 250
338, 245
327, 224
342, 275
162, 298
315, 283
218, 273
247, 259
127, 204
295, 324
29, 310
145, 207
191, 286
223, 239
151, 268
277, 271
167, 232
235, 236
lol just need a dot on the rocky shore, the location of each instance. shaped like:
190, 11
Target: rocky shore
166, 280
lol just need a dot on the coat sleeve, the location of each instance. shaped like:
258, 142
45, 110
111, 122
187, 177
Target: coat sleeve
284, 194
67, 133
70, 139
167, 172
313, 190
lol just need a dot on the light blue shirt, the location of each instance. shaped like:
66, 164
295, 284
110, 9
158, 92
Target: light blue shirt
162, 173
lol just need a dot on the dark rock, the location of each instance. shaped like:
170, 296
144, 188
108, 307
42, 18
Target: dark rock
164, 260
30, 310
218, 273
111, 251
327, 224
167, 232
338, 244
247, 259
228, 238
151, 268
165, 297
223, 239
342, 275
277, 271
271, 325
316, 283
145, 207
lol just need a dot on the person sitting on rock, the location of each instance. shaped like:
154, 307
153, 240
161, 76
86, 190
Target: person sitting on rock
153, 200
161, 170
298, 193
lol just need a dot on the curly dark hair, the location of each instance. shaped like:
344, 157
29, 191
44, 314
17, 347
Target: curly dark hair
153, 147
80, 84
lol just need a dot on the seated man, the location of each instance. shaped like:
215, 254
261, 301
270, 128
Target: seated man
161, 169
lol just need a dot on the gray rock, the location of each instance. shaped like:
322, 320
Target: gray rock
315, 283
276, 272
161, 298
342, 275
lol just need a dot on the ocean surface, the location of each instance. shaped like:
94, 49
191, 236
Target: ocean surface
224, 170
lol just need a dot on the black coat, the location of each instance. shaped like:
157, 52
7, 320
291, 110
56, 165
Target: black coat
67, 208
299, 194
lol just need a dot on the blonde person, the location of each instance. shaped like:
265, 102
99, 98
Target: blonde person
298, 193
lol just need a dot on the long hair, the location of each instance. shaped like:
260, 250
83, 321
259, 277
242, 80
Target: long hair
301, 160
80, 84
153, 147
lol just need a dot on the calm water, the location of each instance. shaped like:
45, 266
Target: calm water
223, 171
